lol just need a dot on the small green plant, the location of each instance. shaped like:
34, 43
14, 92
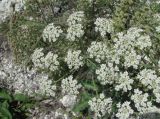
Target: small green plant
94, 58
14, 106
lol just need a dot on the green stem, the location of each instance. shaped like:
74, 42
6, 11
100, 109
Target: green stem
71, 72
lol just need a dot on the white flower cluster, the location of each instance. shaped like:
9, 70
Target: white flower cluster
90, 1
45, 113
159, 65
124, 82
75, 18
20, 80
45, 62
149, 79
26, 81
100, 106
6, 8
51, 62
70, 86
157, 17
74, 60
125, 45
143, 41
3, 75
103, 26
133, 38
99, 51
107, 74
51, 33
75, 29
60, 114
132, 59
69, 101
158, 29
37, 57
70, 91
124, 110
156, 92
44, 86
141, 102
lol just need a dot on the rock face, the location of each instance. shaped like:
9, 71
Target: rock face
5, 51
9, 6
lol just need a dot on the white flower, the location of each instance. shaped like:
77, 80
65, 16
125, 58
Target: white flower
51, 62
75, 18
29, 82
68, 101
126, 41
122, 44
134, 32
124, 110
99, 51
70, 86
60, 114
107, 74
124, 82
132, 59
44, 85
158, 29
90, 1
156, 92
39, 85
74, 32
37, 57
3, 75
100, 106
45, 62
157, 17
51, 32
143, 41
126, 45
131, 40
149, 78
103, 26
75, 29
141, 102
19, 4
74, 60
159, 65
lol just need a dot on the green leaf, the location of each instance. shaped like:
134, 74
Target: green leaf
5, 113
4, 117
83, 103
90, 86
91, 65
5, 96
5, 104
21, 98
27, 106
80, 106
